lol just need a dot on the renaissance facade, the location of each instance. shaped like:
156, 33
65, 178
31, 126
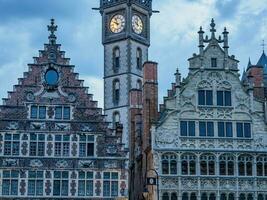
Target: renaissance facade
210, 140
54, 140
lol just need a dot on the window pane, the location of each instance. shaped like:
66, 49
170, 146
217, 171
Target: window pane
202, 129
82, 150
56, 188
201, 97
7, 150
220, 98
229, 129
183, 128
213, 62
231, 168
228, 100
57, 148
106, 175
42, 112
209, 97
34, 112
106, 188
41, 147
203, 168
5, 187
247, 130
165, 167
31, 187
65, 188
66, 149
39, 187
66, 114
90, 149
81, 188
33, 148
89, 188
239, 129
173, 167
58, 114
191, 128
210, 129
15, 149
114, 188
14, 187
220, 129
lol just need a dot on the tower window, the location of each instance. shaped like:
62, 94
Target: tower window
116, 59
116, 119
139, 58
139, 84
116, 91
213, 62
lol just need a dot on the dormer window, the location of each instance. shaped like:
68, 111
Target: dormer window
213, 62
38, 112
224, 98
62, 112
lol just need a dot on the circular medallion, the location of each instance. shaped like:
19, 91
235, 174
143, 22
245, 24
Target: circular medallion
30, 96
51, 77
71, 98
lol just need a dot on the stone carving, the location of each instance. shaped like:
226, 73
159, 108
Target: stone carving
111, 149
49, 148
98, 188
214, 77
37, 126
61, 164
48, 187
36, 163
188, 102
10, 162
205, 84
62, 126
110, 164
224, 85
189, 183
13, 126
86, 128
224, 113
86, 163
22, 187
170, 183
73, 187
206, 113
208, 184
24, 148
122, 188
242, 102
74, 149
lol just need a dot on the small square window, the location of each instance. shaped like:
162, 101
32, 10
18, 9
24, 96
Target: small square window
213, 62
42, 112
34, 110
66, 114
58, 112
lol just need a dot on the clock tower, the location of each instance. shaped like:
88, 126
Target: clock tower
126, 38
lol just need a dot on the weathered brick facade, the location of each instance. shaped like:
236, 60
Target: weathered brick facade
54, 140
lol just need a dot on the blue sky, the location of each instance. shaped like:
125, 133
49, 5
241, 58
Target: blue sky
174, 35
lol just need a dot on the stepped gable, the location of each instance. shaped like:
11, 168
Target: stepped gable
51, 81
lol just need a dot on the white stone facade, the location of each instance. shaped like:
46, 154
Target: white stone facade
211, 150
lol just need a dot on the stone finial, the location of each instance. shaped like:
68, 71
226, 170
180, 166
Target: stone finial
52, 28
201, 40
177, 77
212, 30
225, 41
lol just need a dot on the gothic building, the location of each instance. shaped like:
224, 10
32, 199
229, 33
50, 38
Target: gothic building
210, 139
54, 140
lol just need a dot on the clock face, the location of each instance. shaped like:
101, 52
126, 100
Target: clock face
117, 23
137, 24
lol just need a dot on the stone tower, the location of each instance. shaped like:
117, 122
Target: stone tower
126, 38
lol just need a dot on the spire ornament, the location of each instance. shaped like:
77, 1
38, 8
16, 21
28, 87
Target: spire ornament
212, 30
52, 28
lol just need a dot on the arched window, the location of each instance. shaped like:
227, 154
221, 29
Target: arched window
242, 196
116, 59
174, 196
260, 197
193, 196
212, 196
116, 119
188, 164
250, 196
207, 165
139, 58
169, 164
185, 196
116, 91
226, 163
139, 84
245, 165
262, 166
223, 197
231, 196
204, 196
165, 196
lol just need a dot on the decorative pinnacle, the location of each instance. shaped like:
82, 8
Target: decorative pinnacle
212, 30
52, 28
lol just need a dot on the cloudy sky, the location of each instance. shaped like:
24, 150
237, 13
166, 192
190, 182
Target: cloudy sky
174, 35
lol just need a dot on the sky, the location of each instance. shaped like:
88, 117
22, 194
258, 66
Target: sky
174, 38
